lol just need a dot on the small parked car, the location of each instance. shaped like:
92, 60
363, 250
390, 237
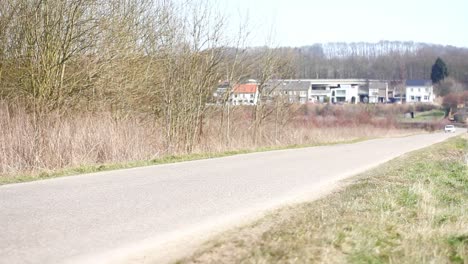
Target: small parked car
449, 128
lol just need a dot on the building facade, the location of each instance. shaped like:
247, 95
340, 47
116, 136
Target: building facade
419, 91
292, 91
244, 94
350, 91
378, 92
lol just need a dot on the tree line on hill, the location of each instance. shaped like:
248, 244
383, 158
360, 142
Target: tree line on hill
385, 60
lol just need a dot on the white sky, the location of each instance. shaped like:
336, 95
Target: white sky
305, 22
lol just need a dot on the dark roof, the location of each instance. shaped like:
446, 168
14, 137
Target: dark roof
378, 85
294, 86
287, 86
418, 83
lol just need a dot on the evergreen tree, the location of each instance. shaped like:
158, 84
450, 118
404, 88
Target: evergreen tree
439, 71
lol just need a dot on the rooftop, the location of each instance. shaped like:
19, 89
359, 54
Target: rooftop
294, 86
245, 88
378, 85
418, 83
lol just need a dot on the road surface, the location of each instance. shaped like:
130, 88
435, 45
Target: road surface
154, 213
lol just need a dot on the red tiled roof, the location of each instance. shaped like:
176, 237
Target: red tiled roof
245, 88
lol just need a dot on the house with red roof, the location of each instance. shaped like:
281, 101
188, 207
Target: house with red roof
244, 94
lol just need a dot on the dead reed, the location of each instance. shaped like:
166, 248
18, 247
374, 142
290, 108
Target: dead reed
29, 144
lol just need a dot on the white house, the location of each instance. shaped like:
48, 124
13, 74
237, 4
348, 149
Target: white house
337, 90
345, 93
244, 94
419, 91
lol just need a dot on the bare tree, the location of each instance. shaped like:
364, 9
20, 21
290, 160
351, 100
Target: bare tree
234, 68
187, 59
271, 64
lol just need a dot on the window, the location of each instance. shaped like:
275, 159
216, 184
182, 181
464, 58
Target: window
411, 89
426, 97
235, 96
419, 89
251, 96
412, 98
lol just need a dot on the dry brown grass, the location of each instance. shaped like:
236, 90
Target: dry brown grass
55, 142
413, 209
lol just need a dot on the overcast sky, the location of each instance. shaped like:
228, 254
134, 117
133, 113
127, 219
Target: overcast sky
304, 22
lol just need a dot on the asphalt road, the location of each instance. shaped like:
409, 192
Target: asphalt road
145, 214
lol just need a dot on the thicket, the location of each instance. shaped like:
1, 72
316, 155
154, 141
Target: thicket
156, 59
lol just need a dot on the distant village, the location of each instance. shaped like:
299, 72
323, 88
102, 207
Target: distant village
335, 91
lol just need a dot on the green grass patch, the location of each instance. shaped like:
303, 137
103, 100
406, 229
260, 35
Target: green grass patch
91, 168
413, 209
427, 116
430, 115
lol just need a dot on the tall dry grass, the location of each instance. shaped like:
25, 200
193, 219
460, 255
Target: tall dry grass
55, 142
29, 144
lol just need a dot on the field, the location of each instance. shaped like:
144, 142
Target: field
57, 145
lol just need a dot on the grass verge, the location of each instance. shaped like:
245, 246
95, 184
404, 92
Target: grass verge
427, 116
48, 174
430, 115
413, 209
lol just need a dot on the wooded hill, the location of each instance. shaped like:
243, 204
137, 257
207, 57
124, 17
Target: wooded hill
388, 60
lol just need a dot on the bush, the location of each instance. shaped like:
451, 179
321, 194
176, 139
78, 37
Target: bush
425, 107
